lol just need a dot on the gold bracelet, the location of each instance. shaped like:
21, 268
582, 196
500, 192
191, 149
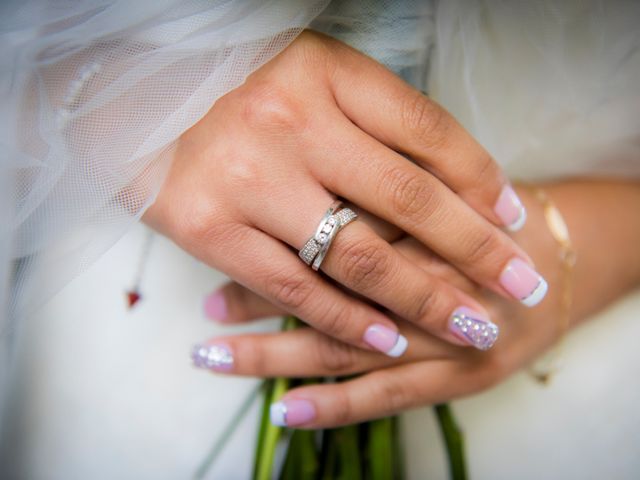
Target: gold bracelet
543, 369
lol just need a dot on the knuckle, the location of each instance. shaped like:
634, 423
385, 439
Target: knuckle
481, 248
427, 304
268, 107
203, 226
426, 121
242, 172
313, 48
290, 291
411, 197
487, 170
364, 263
249, 355
334, 356
334, 320
226, 233
342, 407
197, 226
394, 396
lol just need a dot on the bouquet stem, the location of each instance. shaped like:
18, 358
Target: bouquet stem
454, 441
370, 450
269, 434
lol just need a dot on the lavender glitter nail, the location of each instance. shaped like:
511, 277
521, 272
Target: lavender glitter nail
215, 357
471, 327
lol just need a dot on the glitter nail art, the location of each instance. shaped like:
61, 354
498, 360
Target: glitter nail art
474, 328
216, 357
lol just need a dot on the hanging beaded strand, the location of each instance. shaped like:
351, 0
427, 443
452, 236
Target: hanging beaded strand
134, 295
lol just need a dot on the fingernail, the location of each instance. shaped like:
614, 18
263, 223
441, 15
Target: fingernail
510, 210
473, 328
291, 413
386, 340
217, 357
523, 282
215, 306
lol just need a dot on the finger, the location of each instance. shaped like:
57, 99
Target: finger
428, 261
363, 262
404, 119
379, 394
305, 352
371, 267
383, 182
288, 283
234, 303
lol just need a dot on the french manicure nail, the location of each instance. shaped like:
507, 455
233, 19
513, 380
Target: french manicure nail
216, 356
510, 210
386, 340
291, 413
473, 328
215, 306
523, 282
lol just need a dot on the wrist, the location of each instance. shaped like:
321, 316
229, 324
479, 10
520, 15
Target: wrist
537, 240
605, 231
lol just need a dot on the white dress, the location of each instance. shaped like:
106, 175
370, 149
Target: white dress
108, 393
551, 90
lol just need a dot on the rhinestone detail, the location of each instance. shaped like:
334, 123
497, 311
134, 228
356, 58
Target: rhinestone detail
327, 230
309, 251
345, 216
479, 333
212, 356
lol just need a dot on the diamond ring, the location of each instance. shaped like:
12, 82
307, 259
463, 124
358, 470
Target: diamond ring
316, 248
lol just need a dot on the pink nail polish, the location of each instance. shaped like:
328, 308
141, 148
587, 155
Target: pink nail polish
215, 356
386, 340
510, 210
292, 412
473, 328
523, 282
215, 306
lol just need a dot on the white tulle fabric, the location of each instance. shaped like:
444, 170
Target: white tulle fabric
95, 94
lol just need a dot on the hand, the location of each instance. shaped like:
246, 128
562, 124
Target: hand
432, 371
601, 215
252, 179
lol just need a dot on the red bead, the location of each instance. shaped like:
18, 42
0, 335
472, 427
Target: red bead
132, 298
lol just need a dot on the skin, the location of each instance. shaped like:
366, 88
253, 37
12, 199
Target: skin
251, 180
605, 229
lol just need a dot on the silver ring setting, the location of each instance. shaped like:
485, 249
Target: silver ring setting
316, 248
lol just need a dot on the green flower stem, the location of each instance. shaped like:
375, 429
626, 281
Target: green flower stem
398, 450
454, 441
302, 462
380, 449
342, 456
349, 453
269, 433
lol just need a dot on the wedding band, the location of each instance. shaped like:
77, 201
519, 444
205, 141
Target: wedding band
312, 247
316, 248
343, 217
